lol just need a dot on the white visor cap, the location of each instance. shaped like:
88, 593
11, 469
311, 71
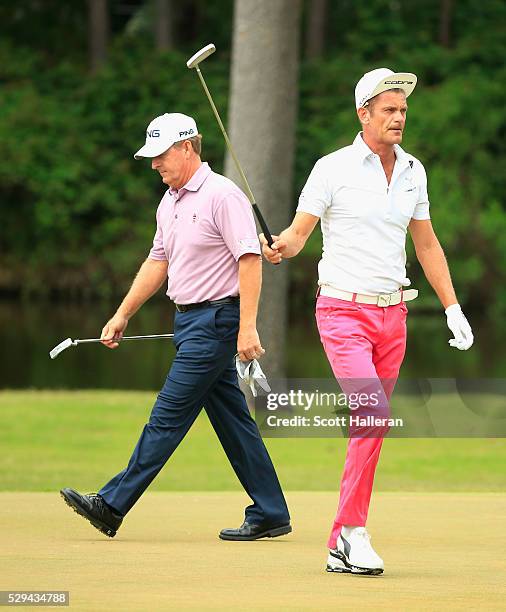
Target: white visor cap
164, 131
380, 80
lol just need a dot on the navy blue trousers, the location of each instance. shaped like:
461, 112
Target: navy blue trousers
203, 375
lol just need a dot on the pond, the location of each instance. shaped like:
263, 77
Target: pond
29, 330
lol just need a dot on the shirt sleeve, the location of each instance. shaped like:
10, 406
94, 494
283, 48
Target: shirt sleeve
234, 219
315, 197
157, 251
421, 211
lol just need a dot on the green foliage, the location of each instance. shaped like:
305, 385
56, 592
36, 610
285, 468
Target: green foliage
455, 127
78, 211
81, 209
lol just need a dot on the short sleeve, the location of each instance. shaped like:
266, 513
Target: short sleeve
421, 211
234, 219
157, 251
315, 197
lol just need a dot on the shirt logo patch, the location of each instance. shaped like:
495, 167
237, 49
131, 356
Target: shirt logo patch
249, 243
409, 184
194, 218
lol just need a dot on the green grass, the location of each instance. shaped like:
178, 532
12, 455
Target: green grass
52, 439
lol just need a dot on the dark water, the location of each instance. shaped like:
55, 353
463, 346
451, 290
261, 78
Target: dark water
29, 330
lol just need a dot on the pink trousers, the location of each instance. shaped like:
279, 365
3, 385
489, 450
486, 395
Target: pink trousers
365, 345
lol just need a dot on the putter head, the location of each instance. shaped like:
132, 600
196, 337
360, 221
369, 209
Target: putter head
60, 348
201, 55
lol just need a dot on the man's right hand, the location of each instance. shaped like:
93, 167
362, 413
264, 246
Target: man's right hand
113, 330
273, 254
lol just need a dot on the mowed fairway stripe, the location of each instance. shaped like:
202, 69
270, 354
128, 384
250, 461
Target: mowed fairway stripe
441, 551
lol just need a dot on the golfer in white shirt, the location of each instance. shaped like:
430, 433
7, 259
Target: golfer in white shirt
367, 195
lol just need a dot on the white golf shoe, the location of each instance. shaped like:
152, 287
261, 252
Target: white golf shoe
354, 553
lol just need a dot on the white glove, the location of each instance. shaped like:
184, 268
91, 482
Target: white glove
459, 327
251, 373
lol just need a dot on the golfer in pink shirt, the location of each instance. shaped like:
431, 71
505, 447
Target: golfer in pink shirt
206, 249
367, 196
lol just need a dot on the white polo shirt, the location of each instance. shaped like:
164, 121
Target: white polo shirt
364, 220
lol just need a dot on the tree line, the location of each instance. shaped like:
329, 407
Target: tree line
80, 81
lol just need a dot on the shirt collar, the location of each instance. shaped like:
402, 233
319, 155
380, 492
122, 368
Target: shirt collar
402, 157
363, 151
195, 182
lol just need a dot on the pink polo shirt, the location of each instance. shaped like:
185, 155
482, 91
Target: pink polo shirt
201, 230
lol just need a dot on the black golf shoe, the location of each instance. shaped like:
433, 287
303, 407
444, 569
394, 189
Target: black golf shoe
93, 508
247, 532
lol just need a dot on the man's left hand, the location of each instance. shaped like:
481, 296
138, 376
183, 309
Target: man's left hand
248, 344
459, 327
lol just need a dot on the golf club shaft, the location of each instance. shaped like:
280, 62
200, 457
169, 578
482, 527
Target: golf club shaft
249, 193
151, 337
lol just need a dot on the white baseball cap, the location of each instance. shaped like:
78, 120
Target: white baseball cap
380, 80
164, 131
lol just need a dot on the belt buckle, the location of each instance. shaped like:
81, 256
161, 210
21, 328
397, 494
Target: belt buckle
384, 300
180, 308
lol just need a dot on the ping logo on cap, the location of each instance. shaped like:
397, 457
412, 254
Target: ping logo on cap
186, 132
153, 133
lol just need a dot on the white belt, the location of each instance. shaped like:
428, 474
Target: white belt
384, 300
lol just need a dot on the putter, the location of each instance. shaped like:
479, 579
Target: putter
194, 62
69, 342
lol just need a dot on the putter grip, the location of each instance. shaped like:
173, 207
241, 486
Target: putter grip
263, 224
